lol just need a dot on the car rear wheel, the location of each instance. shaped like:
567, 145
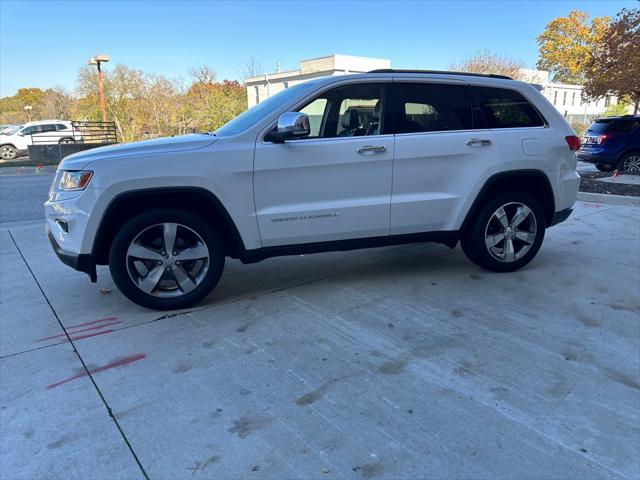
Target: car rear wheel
630, 163
166, 259
7, 152
605, 167
506, 234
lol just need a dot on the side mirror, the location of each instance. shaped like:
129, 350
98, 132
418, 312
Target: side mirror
291, 125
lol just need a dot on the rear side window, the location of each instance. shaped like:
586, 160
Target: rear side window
429, 107
60, 126
614, 125
503, 108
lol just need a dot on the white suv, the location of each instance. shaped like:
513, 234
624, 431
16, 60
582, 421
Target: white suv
14, 142
335, 163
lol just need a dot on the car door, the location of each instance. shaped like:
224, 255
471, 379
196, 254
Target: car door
46, 135
25, 136
442, 151
334, 184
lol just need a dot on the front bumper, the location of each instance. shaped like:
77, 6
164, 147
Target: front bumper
82, 262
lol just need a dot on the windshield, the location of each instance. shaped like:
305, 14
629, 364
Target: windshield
10, 130
261, 110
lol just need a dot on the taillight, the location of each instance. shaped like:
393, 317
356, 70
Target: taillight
601, 138
573, 142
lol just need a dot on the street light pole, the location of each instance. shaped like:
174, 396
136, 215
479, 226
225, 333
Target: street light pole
99, 60
102, 106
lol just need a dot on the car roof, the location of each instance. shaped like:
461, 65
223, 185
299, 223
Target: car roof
440, 72
40, 122
461, 77
621, 117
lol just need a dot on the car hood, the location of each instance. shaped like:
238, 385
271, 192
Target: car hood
79, 160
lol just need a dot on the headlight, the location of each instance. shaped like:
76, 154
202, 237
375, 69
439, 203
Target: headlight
74, 180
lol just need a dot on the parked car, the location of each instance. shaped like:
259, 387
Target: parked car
482, 160
43, 132
613, 143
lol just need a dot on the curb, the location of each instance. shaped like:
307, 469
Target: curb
611, 199
6, 171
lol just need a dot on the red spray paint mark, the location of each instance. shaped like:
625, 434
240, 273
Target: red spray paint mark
108, 319
75, 332
118, 363
89, 335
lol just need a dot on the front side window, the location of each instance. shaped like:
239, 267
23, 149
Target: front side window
31, 130
428, 107
349, 111
504, 108
316, 113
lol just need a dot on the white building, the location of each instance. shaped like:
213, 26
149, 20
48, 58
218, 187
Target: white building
568, 99
261, 87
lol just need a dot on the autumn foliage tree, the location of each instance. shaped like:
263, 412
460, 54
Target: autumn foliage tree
614, 64
566, 44
487, 62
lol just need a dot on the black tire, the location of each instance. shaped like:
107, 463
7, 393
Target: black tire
605, 167
67, 140
8, 152
119, 262
473, 240
635, 170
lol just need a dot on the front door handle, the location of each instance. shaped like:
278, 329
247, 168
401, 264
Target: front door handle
371, 148
478, 141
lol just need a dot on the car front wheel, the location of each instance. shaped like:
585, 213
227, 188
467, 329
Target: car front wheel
506, 234
166, 259
7, 152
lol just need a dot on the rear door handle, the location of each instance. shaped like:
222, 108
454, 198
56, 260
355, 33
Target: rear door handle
478, 141
371, 149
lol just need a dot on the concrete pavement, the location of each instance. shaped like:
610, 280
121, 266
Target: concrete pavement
399, 362
22, 196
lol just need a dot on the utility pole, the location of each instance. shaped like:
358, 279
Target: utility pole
98, 60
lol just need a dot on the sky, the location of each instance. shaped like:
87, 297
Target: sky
44, 43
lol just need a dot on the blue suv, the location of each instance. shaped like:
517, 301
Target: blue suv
613, 143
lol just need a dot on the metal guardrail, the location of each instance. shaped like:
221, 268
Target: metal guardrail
96, 132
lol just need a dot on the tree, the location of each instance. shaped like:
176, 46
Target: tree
566, 44
487, 62
56, 103
614, 66
251, 68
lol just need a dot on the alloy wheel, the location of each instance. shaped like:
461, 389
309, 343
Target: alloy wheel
631, 164
7, 153
167, 260
510, 232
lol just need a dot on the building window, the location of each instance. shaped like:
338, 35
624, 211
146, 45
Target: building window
555, 97
257, 94
564, 99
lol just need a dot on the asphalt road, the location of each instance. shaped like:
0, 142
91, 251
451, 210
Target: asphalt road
22, 196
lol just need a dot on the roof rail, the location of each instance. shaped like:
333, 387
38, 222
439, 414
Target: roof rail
441, 72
